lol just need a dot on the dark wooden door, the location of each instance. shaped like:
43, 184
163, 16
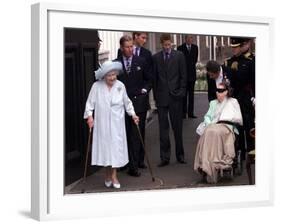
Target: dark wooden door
80, 62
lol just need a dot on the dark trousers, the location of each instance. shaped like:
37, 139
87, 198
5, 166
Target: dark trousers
133, 140
174, 111
189, 109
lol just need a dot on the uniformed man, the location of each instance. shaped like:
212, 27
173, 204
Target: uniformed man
248, 54
240, 71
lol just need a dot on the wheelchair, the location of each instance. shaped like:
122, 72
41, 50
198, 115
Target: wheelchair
240, 145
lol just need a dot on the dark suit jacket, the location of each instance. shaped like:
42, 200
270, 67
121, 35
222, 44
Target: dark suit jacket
139, 78
190, 60
211, 88
241, 77
170, 77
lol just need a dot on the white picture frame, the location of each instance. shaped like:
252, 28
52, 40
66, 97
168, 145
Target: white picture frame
48, 200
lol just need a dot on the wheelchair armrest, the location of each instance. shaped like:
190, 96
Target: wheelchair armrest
235, 124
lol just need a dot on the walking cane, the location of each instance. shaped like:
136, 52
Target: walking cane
86, 161
145, 153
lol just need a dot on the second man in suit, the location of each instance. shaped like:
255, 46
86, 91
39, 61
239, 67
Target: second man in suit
170, 85
190, 52
214, 78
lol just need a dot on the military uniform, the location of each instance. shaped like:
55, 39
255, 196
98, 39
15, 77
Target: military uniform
240, 70
251, 57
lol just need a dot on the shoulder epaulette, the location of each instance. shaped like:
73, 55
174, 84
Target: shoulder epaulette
249, 55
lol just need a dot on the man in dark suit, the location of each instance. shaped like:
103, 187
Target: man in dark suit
139, 40
190, 52
214, 78
170, 85
137, 79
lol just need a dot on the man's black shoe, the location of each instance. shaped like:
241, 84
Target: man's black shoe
134, 173
163, 163
192, 116
182, 161
142, 166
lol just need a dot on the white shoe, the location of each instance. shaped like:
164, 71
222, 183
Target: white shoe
108, 183
116, 185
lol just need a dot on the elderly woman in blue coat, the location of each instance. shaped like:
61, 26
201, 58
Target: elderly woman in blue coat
105, 112
215, 148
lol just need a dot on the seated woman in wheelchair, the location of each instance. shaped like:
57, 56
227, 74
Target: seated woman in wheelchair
215, 149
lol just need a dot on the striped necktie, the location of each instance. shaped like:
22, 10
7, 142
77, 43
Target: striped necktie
128, 65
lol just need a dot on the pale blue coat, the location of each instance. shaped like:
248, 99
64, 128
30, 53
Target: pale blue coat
228, 110
109, 146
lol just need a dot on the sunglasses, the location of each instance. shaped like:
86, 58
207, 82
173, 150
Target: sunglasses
220, 90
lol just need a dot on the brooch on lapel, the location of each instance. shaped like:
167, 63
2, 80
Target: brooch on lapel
119, 88
138, 68
234, 65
